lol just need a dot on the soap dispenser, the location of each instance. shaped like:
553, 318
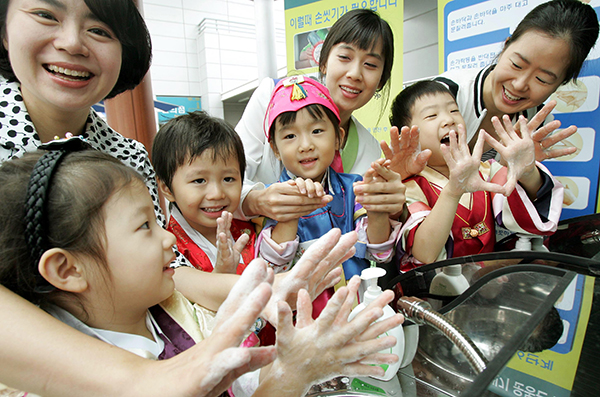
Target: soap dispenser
370, 275
527, 242
449, 282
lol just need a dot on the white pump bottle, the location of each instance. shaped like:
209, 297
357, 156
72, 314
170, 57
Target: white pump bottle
449, 282
373, 291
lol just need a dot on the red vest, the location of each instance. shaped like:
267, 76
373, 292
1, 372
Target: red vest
473, 229
198, 257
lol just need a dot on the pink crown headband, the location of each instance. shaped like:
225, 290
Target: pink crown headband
295, 93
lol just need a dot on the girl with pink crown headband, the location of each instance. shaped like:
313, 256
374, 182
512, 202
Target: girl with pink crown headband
355, 65
302, 126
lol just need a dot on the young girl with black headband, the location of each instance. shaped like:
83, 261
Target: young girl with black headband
80, 239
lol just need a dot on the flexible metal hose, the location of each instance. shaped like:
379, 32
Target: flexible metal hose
421, 312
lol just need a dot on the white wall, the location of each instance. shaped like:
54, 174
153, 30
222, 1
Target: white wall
189, 61
210, 58
174, 68
420, 39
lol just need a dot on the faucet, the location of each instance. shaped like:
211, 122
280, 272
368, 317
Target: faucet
420, 312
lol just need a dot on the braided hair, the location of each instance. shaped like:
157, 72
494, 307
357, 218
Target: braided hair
54, 199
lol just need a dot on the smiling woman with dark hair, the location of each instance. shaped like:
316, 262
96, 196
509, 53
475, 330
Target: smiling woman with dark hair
129, 29
546, 50
59, 58
356, 62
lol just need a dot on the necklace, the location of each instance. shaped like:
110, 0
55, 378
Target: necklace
474, 231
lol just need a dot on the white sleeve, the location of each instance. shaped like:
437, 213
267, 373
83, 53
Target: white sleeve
251, 126
247, 187
368, 150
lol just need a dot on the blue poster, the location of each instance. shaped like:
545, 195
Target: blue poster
474, 32
169, 107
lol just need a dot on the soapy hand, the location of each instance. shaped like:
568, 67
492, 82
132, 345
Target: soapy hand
517, 151
317, 350
308, 187
381, 189
463, 167
316, 271
543, 142
405, 155
218, 360
228, 250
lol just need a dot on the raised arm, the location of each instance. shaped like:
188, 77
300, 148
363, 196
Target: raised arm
61, 361
464, 177
316, 271
386, 197
518, 150
544, 136
228, 250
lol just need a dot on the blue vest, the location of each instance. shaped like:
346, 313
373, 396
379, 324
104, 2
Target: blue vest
339, 213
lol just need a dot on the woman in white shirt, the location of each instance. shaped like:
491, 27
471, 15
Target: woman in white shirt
355, 63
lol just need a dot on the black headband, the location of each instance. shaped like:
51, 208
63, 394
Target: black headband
36, 215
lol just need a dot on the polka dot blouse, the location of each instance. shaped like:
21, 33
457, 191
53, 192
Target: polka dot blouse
18, 136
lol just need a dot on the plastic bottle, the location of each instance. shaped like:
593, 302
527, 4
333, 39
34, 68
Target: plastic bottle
449, 282
530, 243
523, 243
537, 244
373, 291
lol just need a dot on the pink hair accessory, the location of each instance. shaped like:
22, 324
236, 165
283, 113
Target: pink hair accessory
294, 93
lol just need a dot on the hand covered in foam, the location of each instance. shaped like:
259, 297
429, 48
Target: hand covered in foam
218, 360
317, 350
381, 189
228, 250
405, 155
544, 137
464, 167
316, 271
517, 151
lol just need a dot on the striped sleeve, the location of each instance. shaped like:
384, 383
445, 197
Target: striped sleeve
518, 213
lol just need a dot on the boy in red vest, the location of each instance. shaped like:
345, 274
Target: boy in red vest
458, 202
199, 162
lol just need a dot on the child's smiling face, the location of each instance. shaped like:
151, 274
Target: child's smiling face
436, 115
138, 251
204, 188
307, 146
